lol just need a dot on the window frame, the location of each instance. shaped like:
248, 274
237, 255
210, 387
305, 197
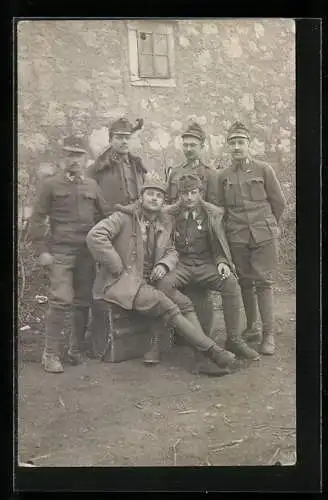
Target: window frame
153, 27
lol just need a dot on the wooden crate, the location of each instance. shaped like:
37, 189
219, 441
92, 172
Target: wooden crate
118, 335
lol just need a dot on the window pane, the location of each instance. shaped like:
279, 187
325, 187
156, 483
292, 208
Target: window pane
160, 44
145, 43
162, 66
146, 65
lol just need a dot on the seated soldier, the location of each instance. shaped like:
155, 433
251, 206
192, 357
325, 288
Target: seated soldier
133, 249
204, 258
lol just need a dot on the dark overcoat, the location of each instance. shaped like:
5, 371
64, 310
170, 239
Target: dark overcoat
107, 172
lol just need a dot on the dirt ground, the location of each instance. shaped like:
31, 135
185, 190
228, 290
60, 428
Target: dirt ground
127, 414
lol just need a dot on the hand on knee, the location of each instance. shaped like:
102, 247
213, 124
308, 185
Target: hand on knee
165, 284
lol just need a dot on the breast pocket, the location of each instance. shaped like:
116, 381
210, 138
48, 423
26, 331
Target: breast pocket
229, 193
256, 188
88, 206
62, 202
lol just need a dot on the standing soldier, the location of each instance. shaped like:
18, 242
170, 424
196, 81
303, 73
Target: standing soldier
73, 203
193, 140
254, 202
119, 174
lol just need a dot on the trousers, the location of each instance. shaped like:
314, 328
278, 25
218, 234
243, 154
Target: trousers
71, 280
255, 264
206, 276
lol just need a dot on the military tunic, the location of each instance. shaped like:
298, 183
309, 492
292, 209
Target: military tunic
209, 178
252, 197
73, 205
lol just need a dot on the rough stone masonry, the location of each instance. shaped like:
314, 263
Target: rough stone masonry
74, 76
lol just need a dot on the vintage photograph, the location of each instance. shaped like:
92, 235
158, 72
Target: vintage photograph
156, 203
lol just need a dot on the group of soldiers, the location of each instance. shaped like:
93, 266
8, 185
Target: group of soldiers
118, 234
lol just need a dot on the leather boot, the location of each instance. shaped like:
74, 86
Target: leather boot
197, 338
77, 336
54, 325
265, 302
51, 363
241, 349
202, 364
232, 316
251, 331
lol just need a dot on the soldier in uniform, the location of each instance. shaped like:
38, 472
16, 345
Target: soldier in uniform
73, 203
253, 200
204, 257
119, 174
134, 250
193, 140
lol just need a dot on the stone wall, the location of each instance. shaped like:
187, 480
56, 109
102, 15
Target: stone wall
73, 76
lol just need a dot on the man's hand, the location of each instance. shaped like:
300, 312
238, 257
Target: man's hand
158, 272
224, 270
46, 259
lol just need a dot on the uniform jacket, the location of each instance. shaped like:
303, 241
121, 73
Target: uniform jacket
116, 244
210, 182
73, 208
219, 243
253, 201
106, 171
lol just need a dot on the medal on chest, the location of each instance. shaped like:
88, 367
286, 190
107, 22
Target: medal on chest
199, 224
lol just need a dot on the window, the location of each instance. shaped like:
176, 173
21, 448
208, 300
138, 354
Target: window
151, 53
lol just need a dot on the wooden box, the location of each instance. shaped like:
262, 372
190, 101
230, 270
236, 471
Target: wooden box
118, 335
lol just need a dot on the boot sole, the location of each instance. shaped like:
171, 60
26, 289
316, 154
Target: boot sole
147, 362
265, 353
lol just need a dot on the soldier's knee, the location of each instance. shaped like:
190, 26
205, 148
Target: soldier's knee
168, 309
264, 285
165, 284
62, 297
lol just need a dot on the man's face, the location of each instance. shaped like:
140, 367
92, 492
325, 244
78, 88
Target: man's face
74, 163
190, 199
238, 147
152, 200
120, 143
192, 148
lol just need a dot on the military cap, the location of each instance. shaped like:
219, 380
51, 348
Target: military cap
153, 181
124, 127
195, 130
74, 144
238, 129
188, 182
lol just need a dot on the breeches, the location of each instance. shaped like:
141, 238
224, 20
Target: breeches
255, 263
71, 279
